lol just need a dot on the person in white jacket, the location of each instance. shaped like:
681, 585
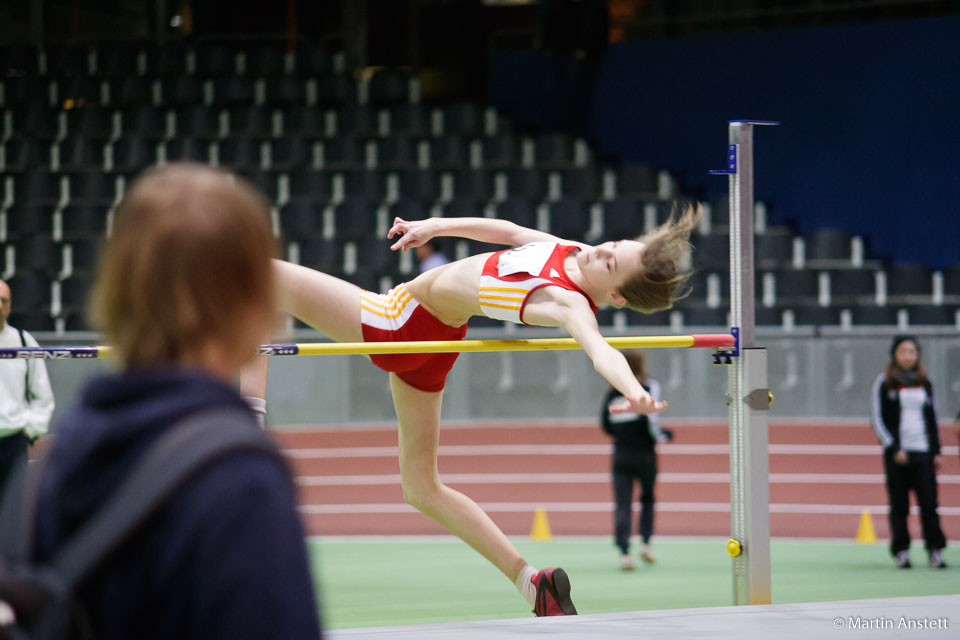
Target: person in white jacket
26, 399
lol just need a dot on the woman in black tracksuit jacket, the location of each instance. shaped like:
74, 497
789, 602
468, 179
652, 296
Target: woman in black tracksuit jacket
634, 459
905, 421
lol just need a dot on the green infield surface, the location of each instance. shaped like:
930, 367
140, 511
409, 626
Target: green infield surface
386, 581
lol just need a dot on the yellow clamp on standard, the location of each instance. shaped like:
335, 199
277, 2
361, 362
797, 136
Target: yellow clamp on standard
734, 548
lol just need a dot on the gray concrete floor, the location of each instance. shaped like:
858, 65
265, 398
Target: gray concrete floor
927, 617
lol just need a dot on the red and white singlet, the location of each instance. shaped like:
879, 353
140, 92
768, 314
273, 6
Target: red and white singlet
510, 276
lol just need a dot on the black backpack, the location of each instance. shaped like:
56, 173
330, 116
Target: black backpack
37, 602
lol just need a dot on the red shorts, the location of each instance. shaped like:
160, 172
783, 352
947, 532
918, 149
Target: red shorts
396, 317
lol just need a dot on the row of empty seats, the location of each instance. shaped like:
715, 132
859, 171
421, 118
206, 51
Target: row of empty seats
339, 155
126, 59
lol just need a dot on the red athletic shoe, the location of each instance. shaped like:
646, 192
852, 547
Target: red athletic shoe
553, 593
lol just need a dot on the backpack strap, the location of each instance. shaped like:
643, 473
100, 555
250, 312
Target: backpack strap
26, 388
187, 447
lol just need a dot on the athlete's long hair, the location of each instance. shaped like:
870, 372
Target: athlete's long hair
658, 283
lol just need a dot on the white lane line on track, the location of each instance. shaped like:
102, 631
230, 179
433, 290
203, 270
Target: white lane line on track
607, 508
588, 449
601, 478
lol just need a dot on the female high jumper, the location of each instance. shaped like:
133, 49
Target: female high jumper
544, 281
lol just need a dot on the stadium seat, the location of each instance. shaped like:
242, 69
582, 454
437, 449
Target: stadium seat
909, 283
238, 153
409, 120
796, 286
389, 87
853, 286
773, 250
396, 153
581, 183
711, 251
284, 90
343, 152
69, 60
420, 184
300, 219
873, 315
705, 317
463, 119
198, 121
637, 319
569, 219
313, 60
28, 220
233, 90
133, 154
462, 208
323, 255
526, 183
118, 59
622, 218
518, 210
84, 254
249, 120
636, 180
951, 282
82, 91
183, 149
828, 247
22, 154
303, 121
215, 60
930, 314
147, 122
449, 152
289, 153
500, 152
310, 185
183, 91
20, 60
80, 154
167, 60
94, 187
38, 254
41, 188
74, 292
265, 61
30, 320
554, 151
335, 90
816, 316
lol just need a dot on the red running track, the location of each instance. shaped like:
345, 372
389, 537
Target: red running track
822, 477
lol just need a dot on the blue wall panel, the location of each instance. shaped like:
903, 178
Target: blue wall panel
870, 140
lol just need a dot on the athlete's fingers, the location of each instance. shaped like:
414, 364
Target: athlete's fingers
399, 226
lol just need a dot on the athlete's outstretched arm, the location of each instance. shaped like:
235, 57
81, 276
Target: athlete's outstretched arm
417, 232
571, 311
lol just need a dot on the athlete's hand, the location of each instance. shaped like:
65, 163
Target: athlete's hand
412, 234
644, 404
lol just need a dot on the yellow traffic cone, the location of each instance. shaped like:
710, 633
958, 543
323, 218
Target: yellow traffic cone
541, 526
865, 532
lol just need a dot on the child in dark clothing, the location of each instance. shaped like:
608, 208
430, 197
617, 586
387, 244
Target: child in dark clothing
635, 437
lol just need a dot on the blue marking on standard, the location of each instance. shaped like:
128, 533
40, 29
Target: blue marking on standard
731, 169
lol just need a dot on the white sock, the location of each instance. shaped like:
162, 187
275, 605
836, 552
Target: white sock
259, 408
525, 585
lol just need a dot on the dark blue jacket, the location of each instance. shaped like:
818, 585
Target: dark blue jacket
225, 558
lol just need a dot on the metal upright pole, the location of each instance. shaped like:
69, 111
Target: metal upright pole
748, 396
